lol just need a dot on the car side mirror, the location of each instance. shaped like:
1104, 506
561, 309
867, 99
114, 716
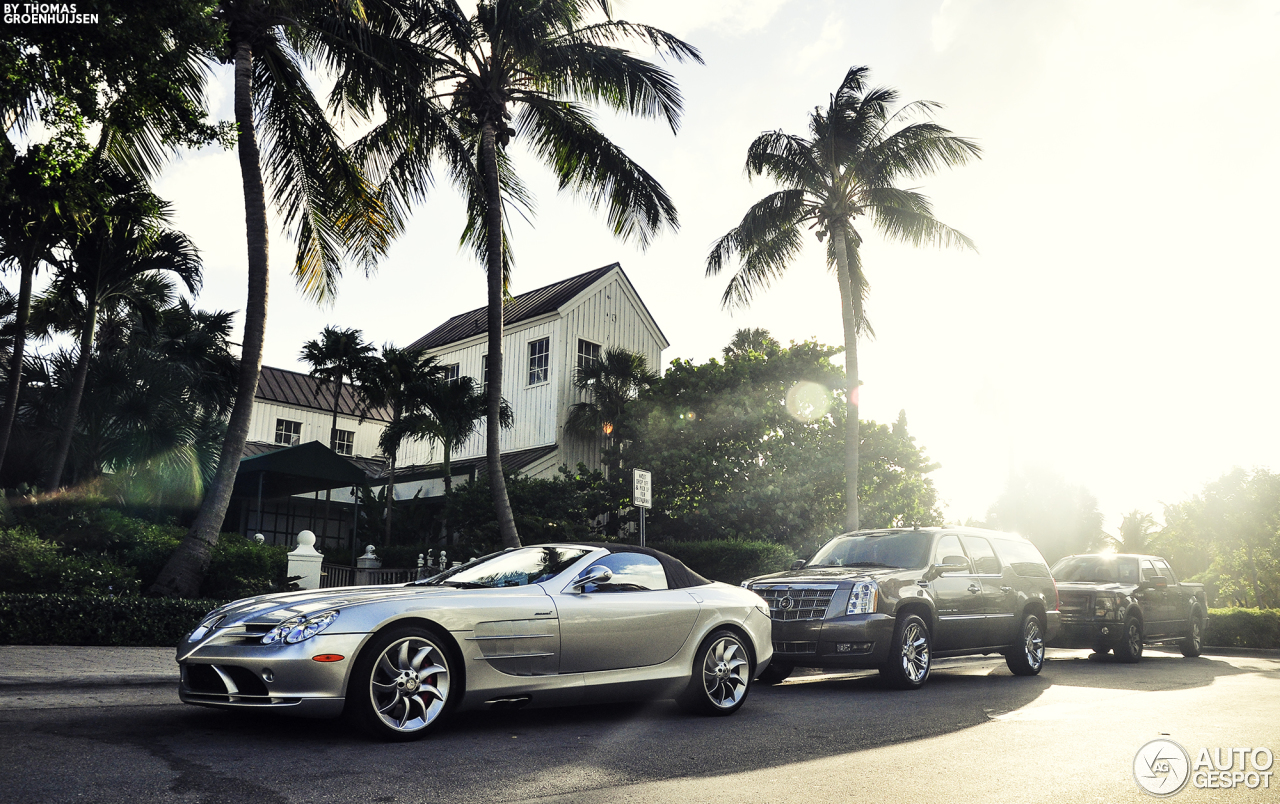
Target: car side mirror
798, 564
937, 569
592, 575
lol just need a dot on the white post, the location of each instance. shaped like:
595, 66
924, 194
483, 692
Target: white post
304, 561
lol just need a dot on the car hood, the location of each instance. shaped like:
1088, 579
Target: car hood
1096, 586
826, 575
279, 607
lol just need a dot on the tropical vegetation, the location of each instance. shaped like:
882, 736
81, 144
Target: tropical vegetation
853, 165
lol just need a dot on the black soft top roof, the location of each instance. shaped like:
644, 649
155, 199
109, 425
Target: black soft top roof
678, 575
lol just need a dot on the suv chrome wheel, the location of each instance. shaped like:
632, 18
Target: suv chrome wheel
1027, 657
911, 657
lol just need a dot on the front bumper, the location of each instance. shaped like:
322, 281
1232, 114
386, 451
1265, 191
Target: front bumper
283, 677
852, 641
1086, 633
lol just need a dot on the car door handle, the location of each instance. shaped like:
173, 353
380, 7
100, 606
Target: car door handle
1006, 589
973, 587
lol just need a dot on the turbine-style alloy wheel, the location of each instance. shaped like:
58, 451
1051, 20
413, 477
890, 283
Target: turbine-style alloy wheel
721, 676
401, 686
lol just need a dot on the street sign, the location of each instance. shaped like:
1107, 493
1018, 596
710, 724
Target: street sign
641, 489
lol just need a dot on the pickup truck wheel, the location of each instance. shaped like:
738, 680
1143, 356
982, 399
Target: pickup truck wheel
1191, 645
1027, 657
775, 673
1129, 649
910, 656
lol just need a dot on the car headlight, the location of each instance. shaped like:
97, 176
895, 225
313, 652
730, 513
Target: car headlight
863, 598
205, 627
297, 629
1104, 607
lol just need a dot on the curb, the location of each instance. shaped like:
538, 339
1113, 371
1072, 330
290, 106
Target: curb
15, 684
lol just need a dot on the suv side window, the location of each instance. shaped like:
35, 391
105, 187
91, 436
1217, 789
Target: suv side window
984, 558
632, 572
1022, 557
948, 551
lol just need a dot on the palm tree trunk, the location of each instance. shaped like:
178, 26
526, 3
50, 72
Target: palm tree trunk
448, 492
183, 573
72, 411
493, 213
15, 360
333, 445
851, 434
391, 495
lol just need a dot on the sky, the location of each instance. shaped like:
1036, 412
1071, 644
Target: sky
1115, 325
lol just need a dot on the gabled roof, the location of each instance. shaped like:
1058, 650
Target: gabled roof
302, 390
520, 308
295, 470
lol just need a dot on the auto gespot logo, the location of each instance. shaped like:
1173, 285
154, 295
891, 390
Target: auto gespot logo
1163, 768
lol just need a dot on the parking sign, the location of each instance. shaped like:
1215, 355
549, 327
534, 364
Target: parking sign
641, 489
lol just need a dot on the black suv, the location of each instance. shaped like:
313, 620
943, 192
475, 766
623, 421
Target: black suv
898, 599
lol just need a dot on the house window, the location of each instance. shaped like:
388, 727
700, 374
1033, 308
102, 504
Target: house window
539, 360
288, 432
588, 354
484, 373
344, 442
450, 372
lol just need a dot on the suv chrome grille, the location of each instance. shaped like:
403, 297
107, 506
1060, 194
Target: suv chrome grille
798, 601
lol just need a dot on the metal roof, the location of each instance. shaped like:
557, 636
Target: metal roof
520, 308
303, 390
512, 461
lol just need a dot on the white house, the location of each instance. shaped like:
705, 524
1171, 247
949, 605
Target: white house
548, 333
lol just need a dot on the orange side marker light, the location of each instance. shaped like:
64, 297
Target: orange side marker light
328, 657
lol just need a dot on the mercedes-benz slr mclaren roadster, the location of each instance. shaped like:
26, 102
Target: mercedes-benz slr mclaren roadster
539, 626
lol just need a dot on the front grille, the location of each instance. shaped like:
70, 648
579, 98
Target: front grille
797, 602
795, 648
1073, 603
223, 680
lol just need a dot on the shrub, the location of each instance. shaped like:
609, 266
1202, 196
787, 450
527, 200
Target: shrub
31, 564
730, 561
240, 567
98, 620
1243, 628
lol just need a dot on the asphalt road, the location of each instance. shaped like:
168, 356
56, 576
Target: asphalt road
975, 733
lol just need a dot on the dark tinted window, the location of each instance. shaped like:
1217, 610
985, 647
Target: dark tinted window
1023, 557
949, 551
632, 572
984, 558
1096, 569
907, 550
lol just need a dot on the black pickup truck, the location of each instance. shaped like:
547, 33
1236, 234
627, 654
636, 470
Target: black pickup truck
1117, 601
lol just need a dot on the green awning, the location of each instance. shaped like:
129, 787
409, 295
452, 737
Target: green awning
295, 470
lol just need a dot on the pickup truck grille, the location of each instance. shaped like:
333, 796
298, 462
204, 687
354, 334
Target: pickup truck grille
1074, 603
800, 602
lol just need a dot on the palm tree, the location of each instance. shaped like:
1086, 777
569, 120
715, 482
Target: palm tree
337, 355
117, 262
611, 383
525, 69
397, 379
1136, 532
852, 166
331, 209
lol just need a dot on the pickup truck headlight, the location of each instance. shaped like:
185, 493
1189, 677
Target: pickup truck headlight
863, 598
1104, 607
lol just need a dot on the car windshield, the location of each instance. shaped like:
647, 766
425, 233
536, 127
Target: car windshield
1096, 569
905, 550
519, 567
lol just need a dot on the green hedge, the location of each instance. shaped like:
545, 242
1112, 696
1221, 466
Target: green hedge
729, 560
98, 620
1243, 628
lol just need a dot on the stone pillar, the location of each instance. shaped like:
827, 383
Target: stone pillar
304, 561
365, 563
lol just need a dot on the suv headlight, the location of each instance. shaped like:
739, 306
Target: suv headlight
297, 629
863, 598
1104, 607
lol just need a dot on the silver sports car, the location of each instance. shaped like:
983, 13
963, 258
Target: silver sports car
539, 626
